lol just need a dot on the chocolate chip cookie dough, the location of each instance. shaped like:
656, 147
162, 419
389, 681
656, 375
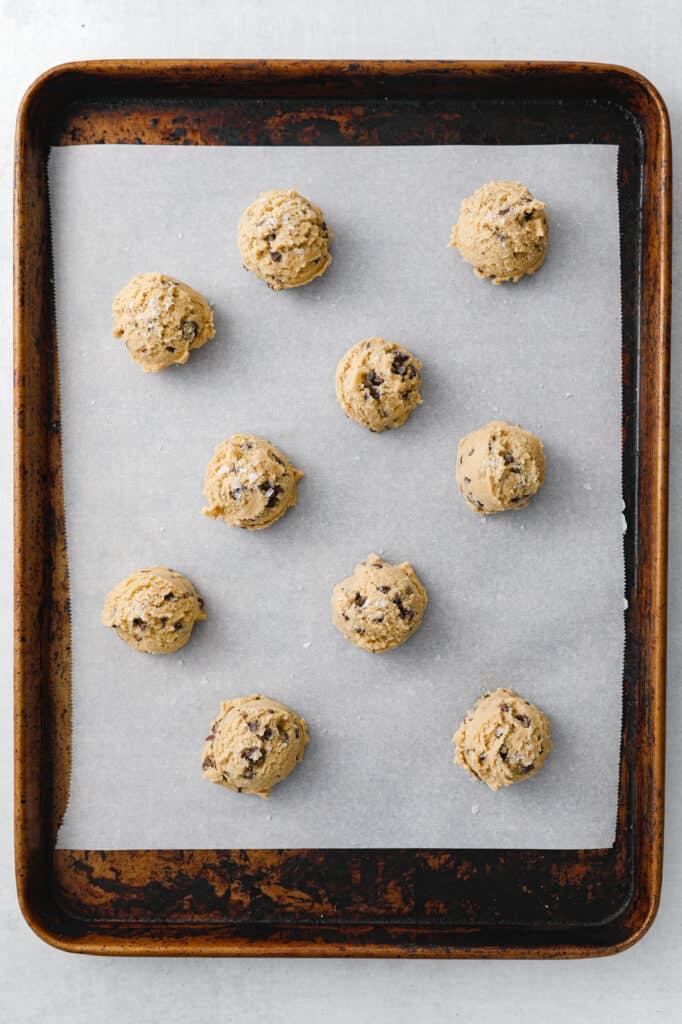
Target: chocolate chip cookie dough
380, 606
499, 467
502, 739
161, 320
502, 231
253, 744
154, 610
249, 483
284, 240
377, 384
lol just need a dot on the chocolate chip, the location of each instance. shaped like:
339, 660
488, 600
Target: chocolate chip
523, 719
297, 732
208, 762
528, 768
252, 754
505, 209
472, 452
528, 215
236, 493
163, 620
252, 725
405, 613
276, 257
274, 497
267, 733
271, 237
503, 753
384, 589
359, 600
190, 329
467, 480
170, 596
359, 631
139, 624
169, 348
271, 491
508, 458
276, 459
372, 382
504, 707
178, 626
516, 469
398, 364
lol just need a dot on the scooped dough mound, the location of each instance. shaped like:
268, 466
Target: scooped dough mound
249, 483
377, 384
253, 744
502, 231
503, 739
380, 606
284, 240
154, 610
161, 320
499, 467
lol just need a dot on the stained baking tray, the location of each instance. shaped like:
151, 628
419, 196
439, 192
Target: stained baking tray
335, 902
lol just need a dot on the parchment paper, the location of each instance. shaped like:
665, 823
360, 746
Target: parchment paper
532, 600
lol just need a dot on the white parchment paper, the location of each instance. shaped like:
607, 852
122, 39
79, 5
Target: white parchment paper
532, 600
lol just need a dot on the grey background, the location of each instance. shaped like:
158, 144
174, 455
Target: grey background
532, 600
43, 985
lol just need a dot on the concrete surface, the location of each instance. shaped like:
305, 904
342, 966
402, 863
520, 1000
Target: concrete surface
40, 984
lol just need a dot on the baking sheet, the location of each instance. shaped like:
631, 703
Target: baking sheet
531, 600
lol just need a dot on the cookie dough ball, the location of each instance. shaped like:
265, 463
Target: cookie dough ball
380, 606
503, 739
502, 231
253, 744
377, 384
499, 467
249, 483
154, 610
284, 240
161, 320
